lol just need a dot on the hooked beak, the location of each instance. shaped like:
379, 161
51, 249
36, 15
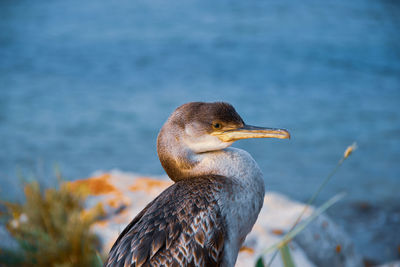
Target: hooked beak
249, 131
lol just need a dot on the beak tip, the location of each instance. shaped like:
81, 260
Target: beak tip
288, 135
284, 134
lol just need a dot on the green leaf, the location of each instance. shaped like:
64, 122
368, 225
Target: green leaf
286, 256
260, 262
99, 262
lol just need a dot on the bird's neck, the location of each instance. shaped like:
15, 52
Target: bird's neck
177, 160
235, 164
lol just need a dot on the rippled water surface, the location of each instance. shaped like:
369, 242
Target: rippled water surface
88, 84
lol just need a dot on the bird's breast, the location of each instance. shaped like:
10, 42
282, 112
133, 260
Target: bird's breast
241, 204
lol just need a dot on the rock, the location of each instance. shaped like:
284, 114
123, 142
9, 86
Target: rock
258, 240
391, 264
122, 195
327, 245
322, 243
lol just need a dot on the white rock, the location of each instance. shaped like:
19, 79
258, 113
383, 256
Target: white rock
391, 264
327, 245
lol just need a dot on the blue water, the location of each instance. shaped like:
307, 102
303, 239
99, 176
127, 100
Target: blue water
88, 84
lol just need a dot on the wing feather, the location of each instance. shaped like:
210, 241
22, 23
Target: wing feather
182, 226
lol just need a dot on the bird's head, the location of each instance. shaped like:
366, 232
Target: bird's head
213, 126
195, 128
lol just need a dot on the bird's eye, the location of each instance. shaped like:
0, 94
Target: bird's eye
217, 125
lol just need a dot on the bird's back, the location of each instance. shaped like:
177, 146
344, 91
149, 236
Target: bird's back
183, 226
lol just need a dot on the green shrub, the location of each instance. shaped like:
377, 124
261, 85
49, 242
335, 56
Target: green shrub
52, 229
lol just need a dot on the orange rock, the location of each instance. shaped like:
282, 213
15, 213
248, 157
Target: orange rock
247, 249
149, 185
98, 185
118, 201
114, 203
102, 223
277, 231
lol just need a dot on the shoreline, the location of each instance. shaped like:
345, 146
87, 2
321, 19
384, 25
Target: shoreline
123, 194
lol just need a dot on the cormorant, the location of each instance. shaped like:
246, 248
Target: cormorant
204, 217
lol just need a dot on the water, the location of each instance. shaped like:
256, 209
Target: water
87, 85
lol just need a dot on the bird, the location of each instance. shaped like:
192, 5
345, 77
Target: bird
203, 218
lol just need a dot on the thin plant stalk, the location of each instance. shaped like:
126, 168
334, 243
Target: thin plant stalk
346, 154
290, 235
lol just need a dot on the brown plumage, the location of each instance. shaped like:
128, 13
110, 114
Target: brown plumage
183, 226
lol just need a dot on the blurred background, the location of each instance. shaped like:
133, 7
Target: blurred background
87, 85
